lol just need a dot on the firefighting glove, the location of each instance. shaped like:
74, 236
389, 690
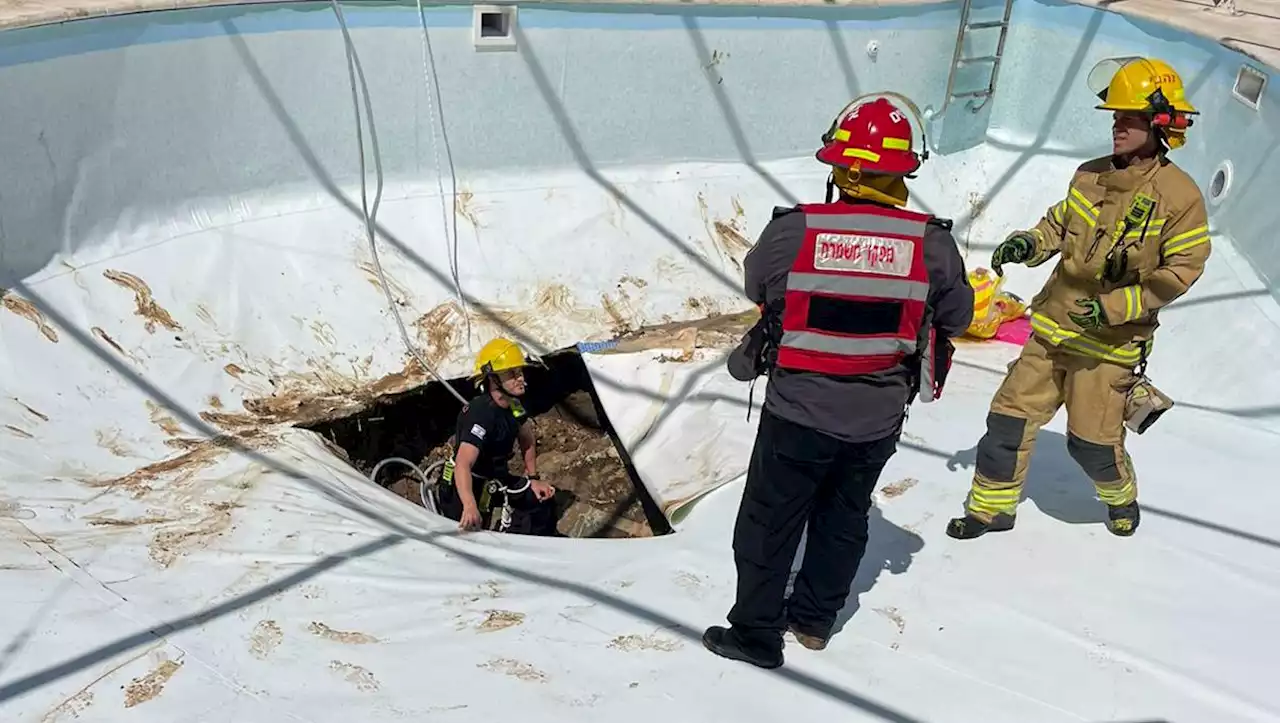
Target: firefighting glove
1018, 248
1092, 318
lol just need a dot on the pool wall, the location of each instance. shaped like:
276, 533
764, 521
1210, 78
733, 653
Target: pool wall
175, 128
190, 107
611, 173
1043, 107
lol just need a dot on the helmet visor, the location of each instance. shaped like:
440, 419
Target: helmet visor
911, 113
1099, 79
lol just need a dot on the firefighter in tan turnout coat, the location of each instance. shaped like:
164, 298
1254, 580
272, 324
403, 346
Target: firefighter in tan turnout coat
1131, 235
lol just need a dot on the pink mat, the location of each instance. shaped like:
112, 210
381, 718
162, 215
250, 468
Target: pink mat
1014, 332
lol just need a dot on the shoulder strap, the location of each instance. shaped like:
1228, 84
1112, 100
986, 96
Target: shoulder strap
916, 215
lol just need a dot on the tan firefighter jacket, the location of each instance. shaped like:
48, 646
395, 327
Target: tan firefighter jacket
1150, 221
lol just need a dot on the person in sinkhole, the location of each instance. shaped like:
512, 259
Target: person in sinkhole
1132, 235
476, 482
861, 298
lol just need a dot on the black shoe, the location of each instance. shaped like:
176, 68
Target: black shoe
725, 642
969, 527
1123, 520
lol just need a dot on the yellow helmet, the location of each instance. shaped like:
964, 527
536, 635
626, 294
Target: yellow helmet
499, 355
1144, 85
1129, 84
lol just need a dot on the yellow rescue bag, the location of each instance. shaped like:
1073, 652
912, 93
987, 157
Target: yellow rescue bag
991, 306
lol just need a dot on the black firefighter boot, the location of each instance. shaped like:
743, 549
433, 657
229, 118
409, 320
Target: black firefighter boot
1123, 519
969, 527
726, 643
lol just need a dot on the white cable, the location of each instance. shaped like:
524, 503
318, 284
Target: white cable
431, 79
428, 501
424, 478
353, 68
373, 474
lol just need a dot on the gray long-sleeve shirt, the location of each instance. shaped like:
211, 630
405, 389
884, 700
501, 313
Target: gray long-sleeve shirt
864, 408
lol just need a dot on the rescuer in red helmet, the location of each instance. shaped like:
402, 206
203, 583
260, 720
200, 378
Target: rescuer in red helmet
860, 299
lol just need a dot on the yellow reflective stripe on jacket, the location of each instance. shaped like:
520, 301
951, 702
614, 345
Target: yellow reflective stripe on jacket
1151, 228
1185, 240
1132, 302
1082, 343
1077, 202
1042, 250
1058, 212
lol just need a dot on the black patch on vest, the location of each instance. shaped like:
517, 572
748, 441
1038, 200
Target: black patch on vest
842, 316
779, 211
942, 223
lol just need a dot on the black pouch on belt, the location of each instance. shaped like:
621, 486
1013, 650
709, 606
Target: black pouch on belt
1144, 404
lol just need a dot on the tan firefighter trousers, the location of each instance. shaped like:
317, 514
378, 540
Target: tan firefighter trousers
1040, 381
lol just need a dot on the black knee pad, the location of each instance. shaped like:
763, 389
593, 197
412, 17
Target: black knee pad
998, 448
1097, 460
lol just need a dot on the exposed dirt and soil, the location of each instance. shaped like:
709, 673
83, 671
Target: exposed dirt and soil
365, 420
598, 492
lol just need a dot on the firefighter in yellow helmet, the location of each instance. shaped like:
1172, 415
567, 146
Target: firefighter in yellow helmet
487, 432
1131, 235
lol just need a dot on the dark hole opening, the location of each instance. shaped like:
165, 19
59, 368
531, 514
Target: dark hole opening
493, 25
598, 490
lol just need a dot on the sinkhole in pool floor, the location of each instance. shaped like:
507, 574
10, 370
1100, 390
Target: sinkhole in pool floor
598, 491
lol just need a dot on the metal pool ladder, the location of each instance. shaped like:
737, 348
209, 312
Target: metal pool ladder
958, 62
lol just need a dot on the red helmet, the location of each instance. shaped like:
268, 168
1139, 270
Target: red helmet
873, 136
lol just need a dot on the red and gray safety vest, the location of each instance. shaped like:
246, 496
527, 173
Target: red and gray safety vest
856, 294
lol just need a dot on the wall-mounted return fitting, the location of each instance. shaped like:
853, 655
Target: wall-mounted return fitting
1250, 83
1220, 184
493, 27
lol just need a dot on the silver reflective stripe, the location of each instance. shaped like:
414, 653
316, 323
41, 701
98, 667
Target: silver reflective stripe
865, 222
814, 341
850, 285
926, 370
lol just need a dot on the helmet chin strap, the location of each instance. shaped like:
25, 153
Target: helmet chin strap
889, 190
492, 382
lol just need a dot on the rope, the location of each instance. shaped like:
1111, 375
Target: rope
527, 482
354, 68
450, 221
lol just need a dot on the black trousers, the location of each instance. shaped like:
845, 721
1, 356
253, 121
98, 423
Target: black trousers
529, 516
797, 476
